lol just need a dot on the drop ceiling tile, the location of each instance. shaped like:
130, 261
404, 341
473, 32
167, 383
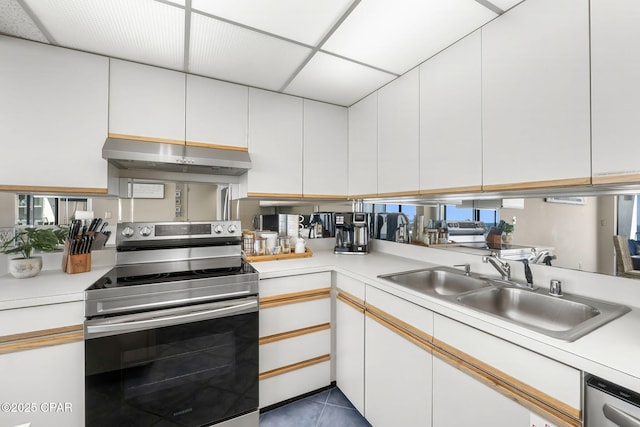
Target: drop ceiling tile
398, 35
331, 79
143, 30
239, 55
14, 21
304, 21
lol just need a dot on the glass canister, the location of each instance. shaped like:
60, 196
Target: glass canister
284, 242
248, 244
260, 246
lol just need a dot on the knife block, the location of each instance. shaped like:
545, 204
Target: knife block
80, 263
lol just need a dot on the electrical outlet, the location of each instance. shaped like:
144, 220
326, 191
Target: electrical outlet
107, 215
538, 421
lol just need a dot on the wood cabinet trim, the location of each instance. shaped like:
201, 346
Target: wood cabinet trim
399, 194
571, 182
218, 146
146, 138
530, 397
56, 190
42, 338
293, 334
324, 197
350, 303
363, 196
616, 179
295, 366
351, 298
425, 345
400, 324
452, 190
274, 195
294, 297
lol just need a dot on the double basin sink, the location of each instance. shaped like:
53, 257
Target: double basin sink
567, 318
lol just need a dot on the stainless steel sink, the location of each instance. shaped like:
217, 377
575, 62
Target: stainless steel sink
437, 280
566, 318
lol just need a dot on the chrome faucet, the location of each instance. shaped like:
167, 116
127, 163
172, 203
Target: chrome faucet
502, 266
467, 268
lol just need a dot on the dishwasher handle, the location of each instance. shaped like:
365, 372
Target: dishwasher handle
619, 417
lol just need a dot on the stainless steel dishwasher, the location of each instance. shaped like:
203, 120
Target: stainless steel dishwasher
609, 405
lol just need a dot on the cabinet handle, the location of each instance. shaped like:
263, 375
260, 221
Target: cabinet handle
619, 417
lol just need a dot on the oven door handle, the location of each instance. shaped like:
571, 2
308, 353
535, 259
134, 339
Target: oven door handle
618, 417
157, 322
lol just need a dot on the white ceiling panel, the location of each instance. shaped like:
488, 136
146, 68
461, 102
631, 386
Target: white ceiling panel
335, 80
143, 30
505, 4
14, 21
233, 53
396, 36
304, 21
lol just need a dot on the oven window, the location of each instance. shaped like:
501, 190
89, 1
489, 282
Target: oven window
191, 374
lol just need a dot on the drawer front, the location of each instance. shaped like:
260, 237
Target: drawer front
293, 316
277, 354
39, 318
294, 284
412, 314
548, 376
294, 383
352, 286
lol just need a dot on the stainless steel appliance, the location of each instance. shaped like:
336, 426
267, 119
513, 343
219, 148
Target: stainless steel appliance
466, 231
609, 405
352, 233
171, 332
393, 226
321, 224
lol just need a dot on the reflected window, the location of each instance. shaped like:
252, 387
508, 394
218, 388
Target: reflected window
488, 216
35, 210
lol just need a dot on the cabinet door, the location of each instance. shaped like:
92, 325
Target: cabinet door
363, 147
450, 118
325, 150
275, 144
146, 102
217, 112
460, 400
615, 66
350, 353
54, 117
398, 135
535, 88
50, 380
397, 379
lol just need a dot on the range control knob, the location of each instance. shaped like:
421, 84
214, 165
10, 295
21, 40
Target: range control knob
218, 229
127, 231
232, 228
145, 231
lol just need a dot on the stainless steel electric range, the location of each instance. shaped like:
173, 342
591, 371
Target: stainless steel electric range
171, 332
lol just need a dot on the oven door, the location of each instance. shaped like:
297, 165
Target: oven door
188, 366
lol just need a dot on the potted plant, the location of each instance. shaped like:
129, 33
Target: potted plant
507, 231
24, 242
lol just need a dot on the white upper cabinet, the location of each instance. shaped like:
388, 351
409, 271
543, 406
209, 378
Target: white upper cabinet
398, 135
363, 147
325, 150
275, 144
217, 113
615, 67
535, 88
450, 118
146, 102
54, 117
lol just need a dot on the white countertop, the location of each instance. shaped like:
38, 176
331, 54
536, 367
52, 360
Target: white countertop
612, 351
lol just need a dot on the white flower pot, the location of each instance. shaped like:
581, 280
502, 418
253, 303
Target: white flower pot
507, 238
21, 268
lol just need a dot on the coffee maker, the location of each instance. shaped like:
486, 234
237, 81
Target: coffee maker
352, 233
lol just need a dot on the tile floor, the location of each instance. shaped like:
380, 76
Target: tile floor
329, 408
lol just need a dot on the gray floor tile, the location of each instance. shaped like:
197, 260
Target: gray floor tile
319, 397
301, 413
334, 416
336, 398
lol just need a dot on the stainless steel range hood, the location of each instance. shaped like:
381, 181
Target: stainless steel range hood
132, 154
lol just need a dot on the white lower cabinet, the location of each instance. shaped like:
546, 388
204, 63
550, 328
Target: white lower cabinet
460, 400
295, 336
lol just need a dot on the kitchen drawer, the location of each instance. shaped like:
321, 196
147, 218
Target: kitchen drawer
405, 311
351, 286
294, 284
294, 383
276, 354
43, 317
293, 316
534, 372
